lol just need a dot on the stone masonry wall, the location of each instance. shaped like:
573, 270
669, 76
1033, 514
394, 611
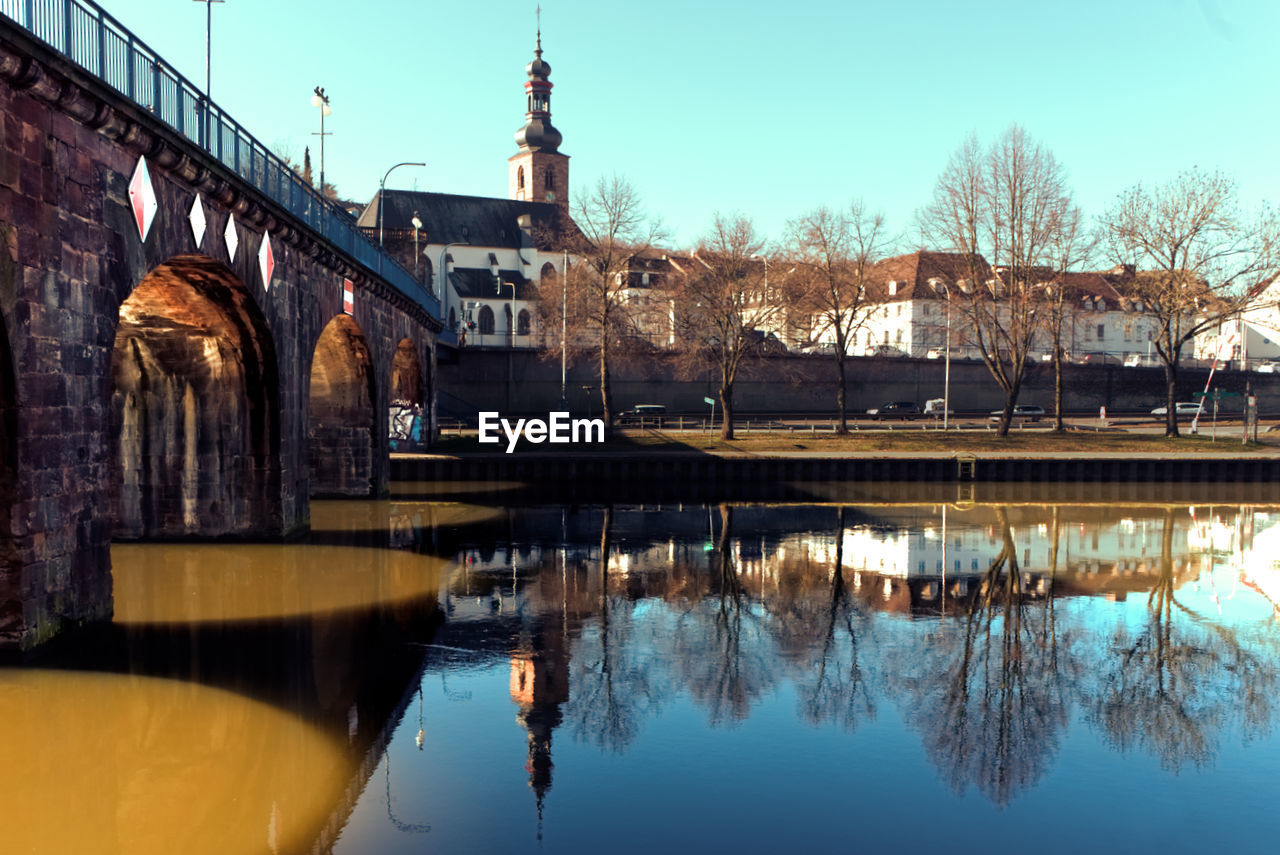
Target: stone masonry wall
72, 255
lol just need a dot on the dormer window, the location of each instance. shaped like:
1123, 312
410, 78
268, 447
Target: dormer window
893, 288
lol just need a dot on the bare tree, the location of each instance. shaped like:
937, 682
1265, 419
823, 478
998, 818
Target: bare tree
834, 253
1199, 258
1006, 204
1070, 246
720, 306
614, 227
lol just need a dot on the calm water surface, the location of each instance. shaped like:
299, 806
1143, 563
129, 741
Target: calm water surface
460, 676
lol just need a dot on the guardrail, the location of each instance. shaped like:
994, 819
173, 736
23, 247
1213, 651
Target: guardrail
87, 35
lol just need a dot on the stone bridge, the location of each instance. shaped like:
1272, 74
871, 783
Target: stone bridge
193, 343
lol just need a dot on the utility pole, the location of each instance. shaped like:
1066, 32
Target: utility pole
208, 74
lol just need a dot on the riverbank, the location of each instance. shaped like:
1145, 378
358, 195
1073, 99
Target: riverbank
653, 467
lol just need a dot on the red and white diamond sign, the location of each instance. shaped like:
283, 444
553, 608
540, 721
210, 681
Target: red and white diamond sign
142, 198
229, 235
197, 220
266, 261
348, 296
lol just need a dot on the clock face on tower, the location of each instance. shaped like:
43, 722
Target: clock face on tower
551, 195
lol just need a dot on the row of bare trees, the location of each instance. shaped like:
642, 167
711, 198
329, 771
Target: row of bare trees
1004, 209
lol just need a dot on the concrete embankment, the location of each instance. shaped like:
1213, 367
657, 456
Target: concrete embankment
690, 477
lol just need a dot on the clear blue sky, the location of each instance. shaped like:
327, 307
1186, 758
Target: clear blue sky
764, 108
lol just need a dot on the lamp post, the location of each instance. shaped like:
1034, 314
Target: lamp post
208, 73
941, 287
417, 224
511, 308
382, 190
444, 278
321, 100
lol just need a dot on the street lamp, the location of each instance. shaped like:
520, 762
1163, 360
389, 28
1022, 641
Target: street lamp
382, 190
321, 100
444, 278
208, 52
940, 287
417, 224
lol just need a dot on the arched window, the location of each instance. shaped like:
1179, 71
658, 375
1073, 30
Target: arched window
523, 322
486, 320
506, 317
548, 275
520, 178
550, 179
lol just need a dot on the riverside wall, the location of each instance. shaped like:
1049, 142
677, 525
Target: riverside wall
525, 383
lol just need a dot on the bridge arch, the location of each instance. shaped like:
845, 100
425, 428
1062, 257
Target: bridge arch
408, 397
194, 403
341, 439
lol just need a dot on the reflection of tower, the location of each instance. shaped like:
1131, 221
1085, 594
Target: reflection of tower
539, 685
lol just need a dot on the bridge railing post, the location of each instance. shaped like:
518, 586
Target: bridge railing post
102, 46
129, 67
67, 11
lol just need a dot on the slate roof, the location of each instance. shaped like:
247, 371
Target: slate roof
476, 220
477, 283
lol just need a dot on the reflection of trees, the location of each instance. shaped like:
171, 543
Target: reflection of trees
720, 643
814, 617
611, 667
1171, 685
991, 700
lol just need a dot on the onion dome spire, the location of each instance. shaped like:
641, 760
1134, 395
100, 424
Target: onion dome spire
538, 133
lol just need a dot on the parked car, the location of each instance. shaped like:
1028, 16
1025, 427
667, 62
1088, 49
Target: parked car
763, 343
1181, 409
934, 353
895, 410
888, 350
934, 406
1133, 360
1025, 412
1268, 368
643, 414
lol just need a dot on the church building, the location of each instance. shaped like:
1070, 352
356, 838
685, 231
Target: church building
483, 257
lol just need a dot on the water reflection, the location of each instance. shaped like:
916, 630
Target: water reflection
414, 670
1000, 635
123, 763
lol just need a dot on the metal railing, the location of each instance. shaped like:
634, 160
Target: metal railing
81, 31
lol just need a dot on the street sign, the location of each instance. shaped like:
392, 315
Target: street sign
711, 401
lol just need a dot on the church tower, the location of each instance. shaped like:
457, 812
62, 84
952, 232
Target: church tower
538, 172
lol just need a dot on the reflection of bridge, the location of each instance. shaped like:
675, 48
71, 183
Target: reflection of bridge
194, 340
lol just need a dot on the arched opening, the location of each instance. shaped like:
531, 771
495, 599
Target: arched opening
550, 180
194, 406
11, 612
508, 326
548, 276
520, 178
486, 320
341, 436
524, 322
407, 396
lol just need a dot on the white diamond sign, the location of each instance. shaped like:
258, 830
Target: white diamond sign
231, 238
266, 261
142, 198
196, 217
